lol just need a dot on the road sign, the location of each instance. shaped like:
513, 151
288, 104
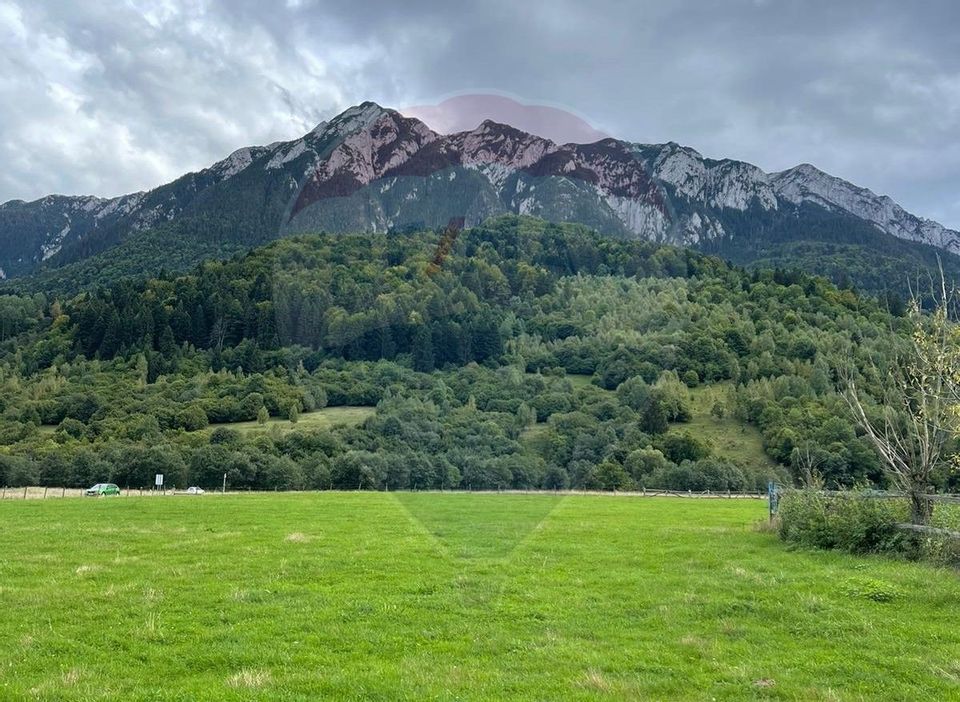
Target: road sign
159, 480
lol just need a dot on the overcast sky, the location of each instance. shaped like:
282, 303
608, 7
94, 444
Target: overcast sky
114, 96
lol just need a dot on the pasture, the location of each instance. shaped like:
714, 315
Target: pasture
454, 596
318, 419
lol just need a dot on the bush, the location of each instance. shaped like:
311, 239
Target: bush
682, 446
609, 475
848, 521
225, 435
192, 418
16, 471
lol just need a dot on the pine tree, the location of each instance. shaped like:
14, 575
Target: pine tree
423, 359
111, 336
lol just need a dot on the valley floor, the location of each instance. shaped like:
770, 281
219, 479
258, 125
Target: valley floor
454, 596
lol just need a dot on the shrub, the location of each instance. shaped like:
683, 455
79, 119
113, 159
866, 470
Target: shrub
682, 446
609, 475
872, 589
16, 471
942, 550
224, 435
849, 521
192, 418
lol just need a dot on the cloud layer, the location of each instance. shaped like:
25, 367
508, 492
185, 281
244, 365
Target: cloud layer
121, 95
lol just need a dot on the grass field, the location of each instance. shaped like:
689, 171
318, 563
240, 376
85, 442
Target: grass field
454, 597
320, 419
728, 437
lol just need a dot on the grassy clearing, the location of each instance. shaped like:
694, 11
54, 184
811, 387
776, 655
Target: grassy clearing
730, 438
320, 419
454, 596
579, 381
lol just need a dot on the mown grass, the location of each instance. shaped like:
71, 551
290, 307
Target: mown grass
454, 596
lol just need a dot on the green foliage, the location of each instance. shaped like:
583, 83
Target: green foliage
850, 522
872, 589
682, 446
537, 355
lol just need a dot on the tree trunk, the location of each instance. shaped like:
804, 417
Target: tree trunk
921, 508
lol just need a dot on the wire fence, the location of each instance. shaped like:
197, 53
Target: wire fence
51, 493
46, 493
949, 501
888, 495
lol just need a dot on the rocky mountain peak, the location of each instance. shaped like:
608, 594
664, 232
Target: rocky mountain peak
372, 168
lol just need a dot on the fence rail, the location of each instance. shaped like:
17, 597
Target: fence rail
56, 493
42, 493
881, 494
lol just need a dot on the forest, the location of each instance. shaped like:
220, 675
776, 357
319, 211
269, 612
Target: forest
528, 355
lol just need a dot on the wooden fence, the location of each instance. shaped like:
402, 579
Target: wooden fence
41, 493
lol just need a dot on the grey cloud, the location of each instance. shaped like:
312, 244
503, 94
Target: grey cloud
117, 96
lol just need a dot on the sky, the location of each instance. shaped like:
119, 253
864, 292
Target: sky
116, 96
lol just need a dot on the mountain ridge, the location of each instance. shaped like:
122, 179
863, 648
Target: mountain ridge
371, 168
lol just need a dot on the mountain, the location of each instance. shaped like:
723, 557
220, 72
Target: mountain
372, 169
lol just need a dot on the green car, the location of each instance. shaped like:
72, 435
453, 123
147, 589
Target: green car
102, 489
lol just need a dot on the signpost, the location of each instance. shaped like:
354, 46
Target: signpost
158, 480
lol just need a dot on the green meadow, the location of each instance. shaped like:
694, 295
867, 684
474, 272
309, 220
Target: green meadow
454, 596
319, 419
727, 436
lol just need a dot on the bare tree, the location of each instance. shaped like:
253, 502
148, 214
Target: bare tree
915, 420
807, 462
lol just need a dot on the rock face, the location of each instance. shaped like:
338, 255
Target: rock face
371, 168
804, 183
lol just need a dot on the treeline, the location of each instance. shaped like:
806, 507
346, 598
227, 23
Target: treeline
466, 364
472, 428
362, 297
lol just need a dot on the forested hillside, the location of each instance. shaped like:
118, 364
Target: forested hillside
474, 356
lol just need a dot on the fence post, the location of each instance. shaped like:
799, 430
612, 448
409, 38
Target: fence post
44, 492
63, 491
24, 492
4, 495
774, 498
